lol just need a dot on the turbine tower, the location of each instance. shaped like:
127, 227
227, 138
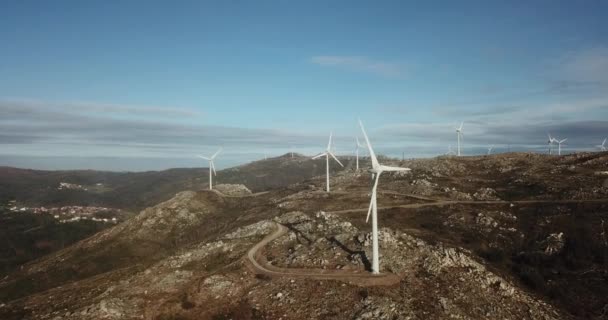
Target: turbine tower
211, 166
359, 145
559, 146
602, 146
328, 153
459, 136
376, 171
490, 149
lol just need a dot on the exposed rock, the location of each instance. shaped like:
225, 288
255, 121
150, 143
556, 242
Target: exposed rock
232, 189
260, 228
555, 243
486, 222
485, 194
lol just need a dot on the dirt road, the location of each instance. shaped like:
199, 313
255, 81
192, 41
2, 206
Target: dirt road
361, 278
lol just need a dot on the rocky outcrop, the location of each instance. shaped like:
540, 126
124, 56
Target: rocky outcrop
486, 194
235, 190
555, 243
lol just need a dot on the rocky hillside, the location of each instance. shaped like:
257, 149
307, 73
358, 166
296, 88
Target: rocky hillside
205, 276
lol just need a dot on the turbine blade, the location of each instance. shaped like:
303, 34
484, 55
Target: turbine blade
462, 123
216, 153
373, 199
371, 204
204, 158
603, 143
338, 161
319, 155
389, 168
329, 143
213, 167
372, 155
563, 140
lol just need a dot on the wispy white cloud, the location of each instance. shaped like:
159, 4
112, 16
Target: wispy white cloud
40, 129
360, 64
87, 107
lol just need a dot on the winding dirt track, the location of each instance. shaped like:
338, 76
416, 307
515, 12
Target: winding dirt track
260, 265
362, 278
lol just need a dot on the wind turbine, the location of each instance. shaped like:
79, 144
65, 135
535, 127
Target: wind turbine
602, 146
328, 153
359, 145
450, 151
490, 149
211, 166
551, 141
376, 171
459, 135
559, 146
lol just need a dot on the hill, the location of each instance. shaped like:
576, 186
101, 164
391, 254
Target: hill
26, 235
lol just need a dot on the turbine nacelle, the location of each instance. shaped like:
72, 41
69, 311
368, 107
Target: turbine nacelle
459, 129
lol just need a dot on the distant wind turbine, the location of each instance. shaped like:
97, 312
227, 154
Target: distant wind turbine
559, 146
211, 166
551, 141
376, 171
490, 149
359, 145
460, 136
450, 151
328, 153
602, 146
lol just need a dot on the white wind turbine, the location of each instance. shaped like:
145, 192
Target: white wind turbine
602, 146
551, 141
211, 166
460, 136
450, 151
328, 153
490, 149
359, 145
559, 146
376, 171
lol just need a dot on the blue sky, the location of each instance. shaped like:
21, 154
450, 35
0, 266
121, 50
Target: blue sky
137, 85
